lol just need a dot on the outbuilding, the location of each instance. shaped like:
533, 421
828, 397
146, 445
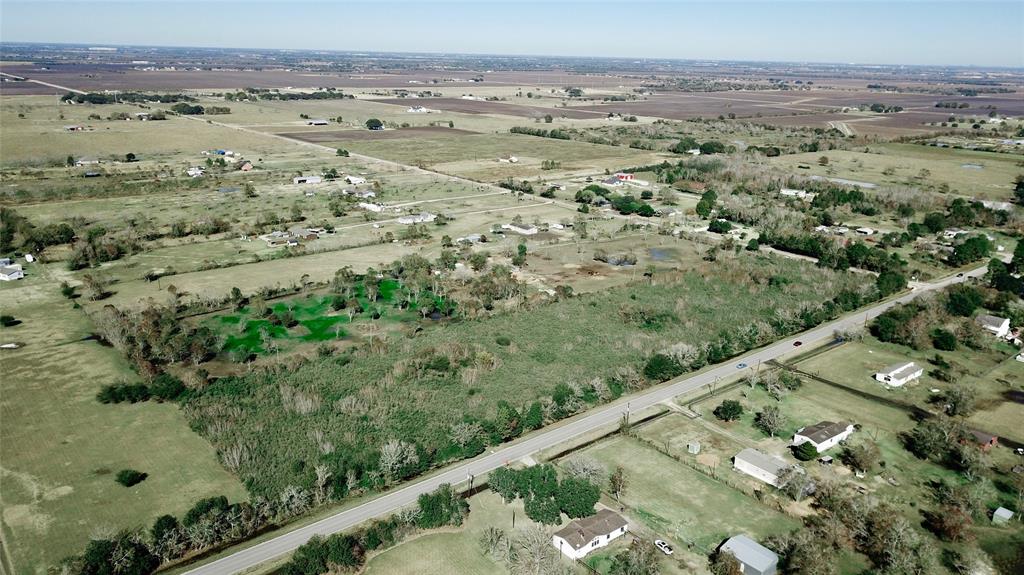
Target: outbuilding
898, 374
307, 180
754, 558
1001, 516
758, 465
11, 272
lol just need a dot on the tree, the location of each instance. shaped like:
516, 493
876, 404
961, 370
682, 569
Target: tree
543, 509
586, 468
729, 410
374, 124
725, 563
960, 400
963, 299
890, 282
806, 451
794, 482
770, 420
862, 456
641, 558
1018, 188
397, 458
971, 250
950, 522
823, 161
129, 477
341, 152
617, 482
577, 497
129, 157
943, 339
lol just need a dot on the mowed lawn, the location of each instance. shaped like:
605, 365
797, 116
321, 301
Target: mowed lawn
445, 553
61, 448
684, 504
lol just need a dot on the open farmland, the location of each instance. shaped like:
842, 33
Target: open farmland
490, 107
360, 135
536, 354
62, 447
993, 181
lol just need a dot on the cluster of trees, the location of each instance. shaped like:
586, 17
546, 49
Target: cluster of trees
943, 323
522, 186
133, 97
186, 109
346, 551
709, 147
17, 233
326, 94
154, 337
164, 387
847, 520
215, 521
555, 133
623, 203
857, 254
832, 197
545, 497
98, 246
882, 108
707, 203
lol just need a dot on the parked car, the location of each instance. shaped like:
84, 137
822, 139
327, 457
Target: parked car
797, 343
665, 547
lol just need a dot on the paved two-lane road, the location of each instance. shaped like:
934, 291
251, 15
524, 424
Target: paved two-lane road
595, 418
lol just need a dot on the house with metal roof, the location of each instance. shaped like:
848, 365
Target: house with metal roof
899, 374
760, 465
1000, 326
754, 558
823, 435
582, 536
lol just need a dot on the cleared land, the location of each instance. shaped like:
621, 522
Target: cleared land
62, 447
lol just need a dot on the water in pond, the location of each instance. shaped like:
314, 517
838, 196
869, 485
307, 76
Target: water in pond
660, 254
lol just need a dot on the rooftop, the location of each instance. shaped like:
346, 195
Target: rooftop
898, 370
763, 461
583, 531
750, 552
823, 431
990, 321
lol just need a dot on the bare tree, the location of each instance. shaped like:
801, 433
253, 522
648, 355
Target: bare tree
395, 456
585, 468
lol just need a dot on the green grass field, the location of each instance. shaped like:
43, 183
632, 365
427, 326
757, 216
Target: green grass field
62, 448
456, 551
993, 181
683, 504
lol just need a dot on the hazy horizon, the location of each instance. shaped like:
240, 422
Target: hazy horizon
902, 33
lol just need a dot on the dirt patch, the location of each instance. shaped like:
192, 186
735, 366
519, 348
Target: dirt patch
708, 459
369, 135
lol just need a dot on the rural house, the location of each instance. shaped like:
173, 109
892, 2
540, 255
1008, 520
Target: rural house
984, 440
316, 122
899, 374
355, 180
584, 535
307, 180
754, 558
87, 162
421, 218
759, 465
521, 229
11, 272
824, 435
997, 325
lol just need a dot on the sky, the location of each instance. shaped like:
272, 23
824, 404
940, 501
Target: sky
952, 32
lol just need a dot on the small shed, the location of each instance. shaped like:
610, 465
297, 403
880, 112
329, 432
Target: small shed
755, 558
1001, 516
693, 447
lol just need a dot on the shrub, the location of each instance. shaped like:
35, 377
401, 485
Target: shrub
805, 451
129, 477
661, 367
166, 387
729, 410
503, 341
943, 339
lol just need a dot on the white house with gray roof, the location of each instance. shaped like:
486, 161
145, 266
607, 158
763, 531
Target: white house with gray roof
1000, 326
760, 465
584, 535
898, 374
754, 558
824, 435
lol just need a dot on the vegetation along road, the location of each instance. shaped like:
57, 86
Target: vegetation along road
599, 417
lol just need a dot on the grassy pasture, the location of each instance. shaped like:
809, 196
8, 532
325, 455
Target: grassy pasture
61, 447
683, 504
994, 181
475, 156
